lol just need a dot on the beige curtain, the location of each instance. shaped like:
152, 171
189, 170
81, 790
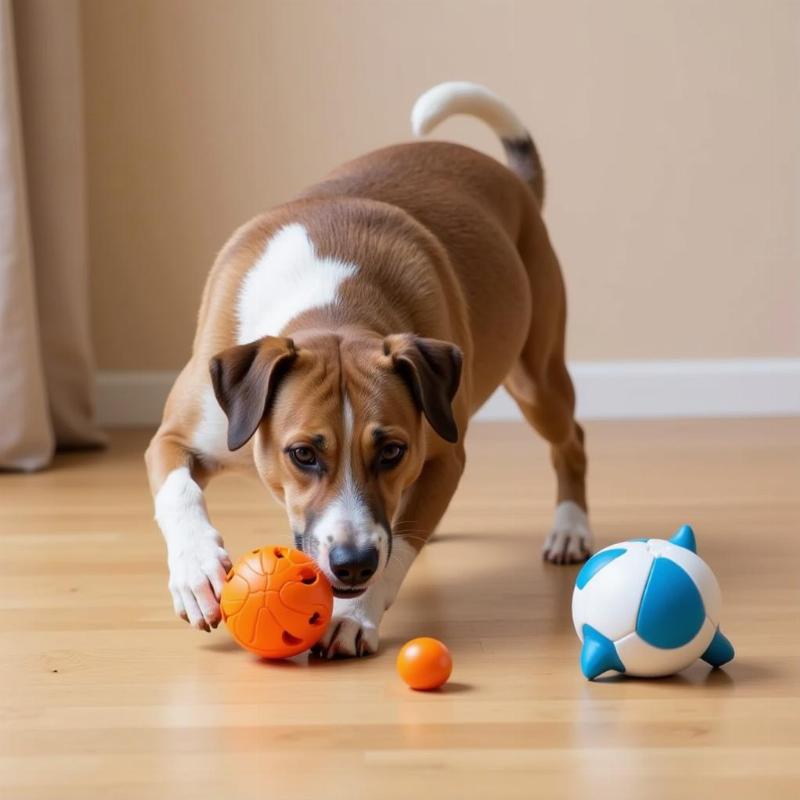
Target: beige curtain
46, 369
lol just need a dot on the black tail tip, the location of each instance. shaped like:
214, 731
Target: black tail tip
523, 160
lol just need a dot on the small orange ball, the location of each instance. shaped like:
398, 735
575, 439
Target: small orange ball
276, 602
424, 663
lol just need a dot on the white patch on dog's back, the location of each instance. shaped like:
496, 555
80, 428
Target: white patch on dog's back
287, 280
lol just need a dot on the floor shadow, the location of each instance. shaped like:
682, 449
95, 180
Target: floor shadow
720, 679
228, 645
741, 672
678, 679
298, 662
221, 646
454, 687
316, 660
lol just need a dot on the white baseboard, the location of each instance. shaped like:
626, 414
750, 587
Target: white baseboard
605, 389
663, 389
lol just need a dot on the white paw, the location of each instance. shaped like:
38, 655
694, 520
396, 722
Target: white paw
571, 539
195, 555
353, 629
198, 564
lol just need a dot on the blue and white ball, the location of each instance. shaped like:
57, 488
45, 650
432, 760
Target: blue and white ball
648, 607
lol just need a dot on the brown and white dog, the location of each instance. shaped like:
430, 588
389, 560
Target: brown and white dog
345, 339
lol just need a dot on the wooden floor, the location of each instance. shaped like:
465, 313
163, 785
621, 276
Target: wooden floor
106, 695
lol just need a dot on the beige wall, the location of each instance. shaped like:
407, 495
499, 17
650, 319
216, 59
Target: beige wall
669, 130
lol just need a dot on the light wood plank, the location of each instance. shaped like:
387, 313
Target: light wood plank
105, 694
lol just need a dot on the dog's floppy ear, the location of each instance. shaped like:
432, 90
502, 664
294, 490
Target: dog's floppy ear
244, 379
432, 370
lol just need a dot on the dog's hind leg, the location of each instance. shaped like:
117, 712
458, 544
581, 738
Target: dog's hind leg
543, 390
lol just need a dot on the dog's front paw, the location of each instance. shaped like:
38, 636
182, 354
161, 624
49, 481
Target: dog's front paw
353, 629
198, 564
346, 637
571, 539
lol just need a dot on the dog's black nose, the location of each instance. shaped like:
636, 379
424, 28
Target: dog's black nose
353, 565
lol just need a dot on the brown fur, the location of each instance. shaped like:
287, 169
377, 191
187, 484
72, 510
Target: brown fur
450, 246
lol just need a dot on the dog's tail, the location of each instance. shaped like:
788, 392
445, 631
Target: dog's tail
461, 97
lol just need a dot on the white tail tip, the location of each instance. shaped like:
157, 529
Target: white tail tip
462, 97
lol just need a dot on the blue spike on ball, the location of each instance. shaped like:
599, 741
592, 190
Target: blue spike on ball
648, 607
685, 538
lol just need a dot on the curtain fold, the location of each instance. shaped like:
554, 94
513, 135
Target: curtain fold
46, 367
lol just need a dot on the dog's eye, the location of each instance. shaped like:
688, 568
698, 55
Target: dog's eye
391, 454
303, 456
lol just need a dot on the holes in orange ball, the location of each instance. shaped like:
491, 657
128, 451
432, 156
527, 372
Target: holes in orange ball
291, 641
278, 552
308, 576
315, 619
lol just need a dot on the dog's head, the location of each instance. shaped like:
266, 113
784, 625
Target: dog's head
339, 434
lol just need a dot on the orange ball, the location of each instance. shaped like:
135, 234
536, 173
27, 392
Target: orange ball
424, 663
276, 602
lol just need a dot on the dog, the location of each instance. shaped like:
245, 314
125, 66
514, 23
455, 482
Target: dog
344, 340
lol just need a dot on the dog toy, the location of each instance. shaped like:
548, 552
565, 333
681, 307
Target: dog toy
276, 602
424, 663
648, 607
